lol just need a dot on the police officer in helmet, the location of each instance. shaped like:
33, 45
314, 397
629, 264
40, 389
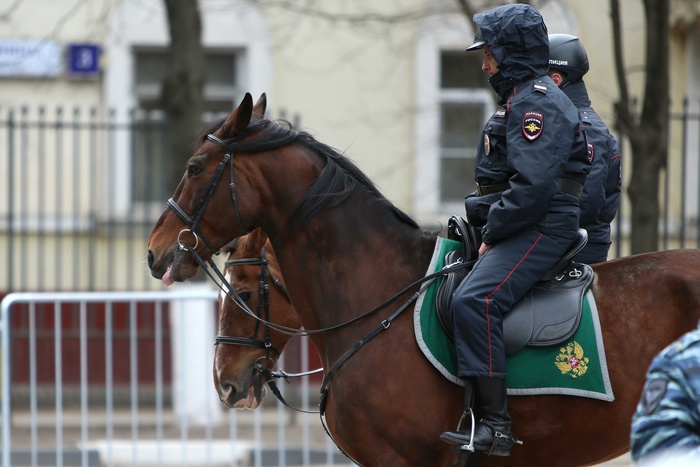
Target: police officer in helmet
530, 169
600, 201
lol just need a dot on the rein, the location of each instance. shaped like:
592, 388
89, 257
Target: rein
261, 371
263, 306
193, 228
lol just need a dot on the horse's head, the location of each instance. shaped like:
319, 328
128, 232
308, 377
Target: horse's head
193, 219
241, 342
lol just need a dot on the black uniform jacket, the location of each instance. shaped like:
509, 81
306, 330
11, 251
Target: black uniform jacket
533, 146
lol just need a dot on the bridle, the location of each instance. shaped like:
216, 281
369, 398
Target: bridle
193, 223
263, 310
260, 370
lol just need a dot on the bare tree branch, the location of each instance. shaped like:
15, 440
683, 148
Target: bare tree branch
310, 10
648, 132
5, 15
467, 9
623, 106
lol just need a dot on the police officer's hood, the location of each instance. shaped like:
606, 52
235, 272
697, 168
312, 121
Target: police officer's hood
517, 38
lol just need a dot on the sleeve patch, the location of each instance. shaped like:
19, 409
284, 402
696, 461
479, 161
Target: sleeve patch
533, 124
654, 392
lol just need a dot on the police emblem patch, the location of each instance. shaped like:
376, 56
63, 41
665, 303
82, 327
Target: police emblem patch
654, 391
487, 144
591, 151
533, 123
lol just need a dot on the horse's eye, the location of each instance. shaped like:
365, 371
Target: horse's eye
193, 170
245, 296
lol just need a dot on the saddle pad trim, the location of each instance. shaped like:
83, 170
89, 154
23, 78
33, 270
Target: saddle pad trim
444, 351
607, 393
429, 295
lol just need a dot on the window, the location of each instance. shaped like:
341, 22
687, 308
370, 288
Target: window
466, 101
150, 163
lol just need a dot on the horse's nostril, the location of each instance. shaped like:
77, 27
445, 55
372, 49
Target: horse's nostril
227, 390
150, 259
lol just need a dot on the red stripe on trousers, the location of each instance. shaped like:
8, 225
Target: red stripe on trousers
488, 319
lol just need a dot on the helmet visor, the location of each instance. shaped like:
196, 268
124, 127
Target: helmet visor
478, 41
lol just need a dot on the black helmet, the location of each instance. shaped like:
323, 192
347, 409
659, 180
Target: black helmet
566, 53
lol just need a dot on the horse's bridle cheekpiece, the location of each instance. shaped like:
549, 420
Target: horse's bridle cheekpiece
193, 223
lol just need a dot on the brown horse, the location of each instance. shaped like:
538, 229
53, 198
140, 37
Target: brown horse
344, 249
243, 344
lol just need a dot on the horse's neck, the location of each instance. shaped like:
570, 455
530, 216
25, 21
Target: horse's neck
336, 270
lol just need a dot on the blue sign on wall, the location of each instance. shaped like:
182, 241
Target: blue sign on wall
84, 60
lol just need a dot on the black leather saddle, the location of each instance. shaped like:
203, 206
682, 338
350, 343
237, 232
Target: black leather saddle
549, 314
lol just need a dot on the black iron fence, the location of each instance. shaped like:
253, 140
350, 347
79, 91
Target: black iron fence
80, 192
77, 202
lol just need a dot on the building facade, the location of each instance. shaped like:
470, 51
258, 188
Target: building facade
388, 83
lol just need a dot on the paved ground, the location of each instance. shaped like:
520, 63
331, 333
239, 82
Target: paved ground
136, 440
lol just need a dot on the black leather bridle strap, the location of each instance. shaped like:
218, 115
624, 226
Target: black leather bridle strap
210, 190
231, 184
244, 341
263, 306
371, 335
193, 223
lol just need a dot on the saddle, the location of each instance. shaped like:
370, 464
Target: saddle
547, 315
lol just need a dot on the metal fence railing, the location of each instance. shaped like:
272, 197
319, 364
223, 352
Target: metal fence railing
166, 412
81, 189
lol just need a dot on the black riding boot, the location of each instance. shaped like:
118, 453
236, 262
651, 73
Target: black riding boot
492, 433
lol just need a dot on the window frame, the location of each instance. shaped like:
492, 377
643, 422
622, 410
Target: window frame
143, 25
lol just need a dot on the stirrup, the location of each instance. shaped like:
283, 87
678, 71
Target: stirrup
470, 446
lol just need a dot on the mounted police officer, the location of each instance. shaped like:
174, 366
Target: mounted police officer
666, 424
530, 170
568, 63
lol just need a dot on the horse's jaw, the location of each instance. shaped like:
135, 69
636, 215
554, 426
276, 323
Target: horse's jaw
175, 266
250, 402
244, 398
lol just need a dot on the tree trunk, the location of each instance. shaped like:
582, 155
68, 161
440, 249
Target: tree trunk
643, 191
183, 86
648, 133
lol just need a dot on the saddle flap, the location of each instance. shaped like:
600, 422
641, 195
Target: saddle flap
550, 313
444, 292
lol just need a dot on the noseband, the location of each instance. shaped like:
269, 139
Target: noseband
263, 306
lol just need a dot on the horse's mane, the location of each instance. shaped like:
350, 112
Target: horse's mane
337, 180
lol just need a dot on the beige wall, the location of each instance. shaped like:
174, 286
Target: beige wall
54, 20
354, 84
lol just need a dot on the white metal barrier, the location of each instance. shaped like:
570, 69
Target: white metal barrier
145, 432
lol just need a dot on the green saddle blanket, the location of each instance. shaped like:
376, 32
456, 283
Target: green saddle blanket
576, 367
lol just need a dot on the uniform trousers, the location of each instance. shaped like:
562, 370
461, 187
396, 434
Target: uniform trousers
501, 277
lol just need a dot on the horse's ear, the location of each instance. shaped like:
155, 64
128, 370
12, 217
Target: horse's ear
260, 106
239, 118
257, 239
